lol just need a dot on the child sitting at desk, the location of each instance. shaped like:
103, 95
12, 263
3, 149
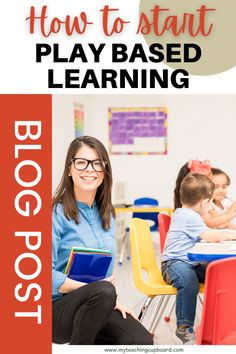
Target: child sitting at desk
186, 229
223, 212
204, 168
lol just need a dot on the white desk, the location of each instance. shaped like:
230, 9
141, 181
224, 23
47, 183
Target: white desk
207, 252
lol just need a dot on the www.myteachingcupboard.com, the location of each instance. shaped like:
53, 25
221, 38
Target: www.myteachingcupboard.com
152, 349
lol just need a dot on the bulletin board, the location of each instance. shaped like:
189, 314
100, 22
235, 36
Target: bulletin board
78, 119
137, 130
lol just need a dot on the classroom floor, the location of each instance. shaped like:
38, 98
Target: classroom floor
132, 298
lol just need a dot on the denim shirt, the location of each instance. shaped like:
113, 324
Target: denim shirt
66, 234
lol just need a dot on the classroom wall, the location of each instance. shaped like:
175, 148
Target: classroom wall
199, 126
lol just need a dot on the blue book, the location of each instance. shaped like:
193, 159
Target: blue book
89, 267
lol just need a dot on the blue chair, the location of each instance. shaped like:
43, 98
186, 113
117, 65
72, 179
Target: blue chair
152, 217
147, 216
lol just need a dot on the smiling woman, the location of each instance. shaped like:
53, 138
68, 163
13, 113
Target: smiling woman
86, 185
83, 216
87, 173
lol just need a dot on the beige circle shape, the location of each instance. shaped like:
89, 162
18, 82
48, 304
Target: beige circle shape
218, 49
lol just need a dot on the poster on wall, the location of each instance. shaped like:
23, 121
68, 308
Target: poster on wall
138, 130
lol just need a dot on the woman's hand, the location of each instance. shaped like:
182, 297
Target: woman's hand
124, 310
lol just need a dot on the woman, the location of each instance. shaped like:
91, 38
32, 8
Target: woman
83, 216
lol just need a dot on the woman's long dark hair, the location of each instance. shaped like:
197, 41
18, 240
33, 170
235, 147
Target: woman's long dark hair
184, 171
64, 193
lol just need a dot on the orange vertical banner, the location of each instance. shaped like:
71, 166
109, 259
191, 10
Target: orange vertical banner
25, 190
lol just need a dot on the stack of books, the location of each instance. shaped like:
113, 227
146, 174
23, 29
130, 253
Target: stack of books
88, 264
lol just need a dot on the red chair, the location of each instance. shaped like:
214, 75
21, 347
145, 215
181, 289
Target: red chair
164, 224
218, 324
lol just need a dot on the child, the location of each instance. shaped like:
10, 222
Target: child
223, 212
197, 166
187, 227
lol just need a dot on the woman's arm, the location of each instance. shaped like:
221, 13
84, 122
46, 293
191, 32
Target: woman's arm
60, 282
119, 307
70, 285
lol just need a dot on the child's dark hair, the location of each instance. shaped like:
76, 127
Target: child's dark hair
184, 171
194, 188
217, 172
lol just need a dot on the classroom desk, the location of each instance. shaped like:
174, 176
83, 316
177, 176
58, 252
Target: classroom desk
207, 252
143, 209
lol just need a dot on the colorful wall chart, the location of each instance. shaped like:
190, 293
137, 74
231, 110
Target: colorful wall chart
138, 130
79, 119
